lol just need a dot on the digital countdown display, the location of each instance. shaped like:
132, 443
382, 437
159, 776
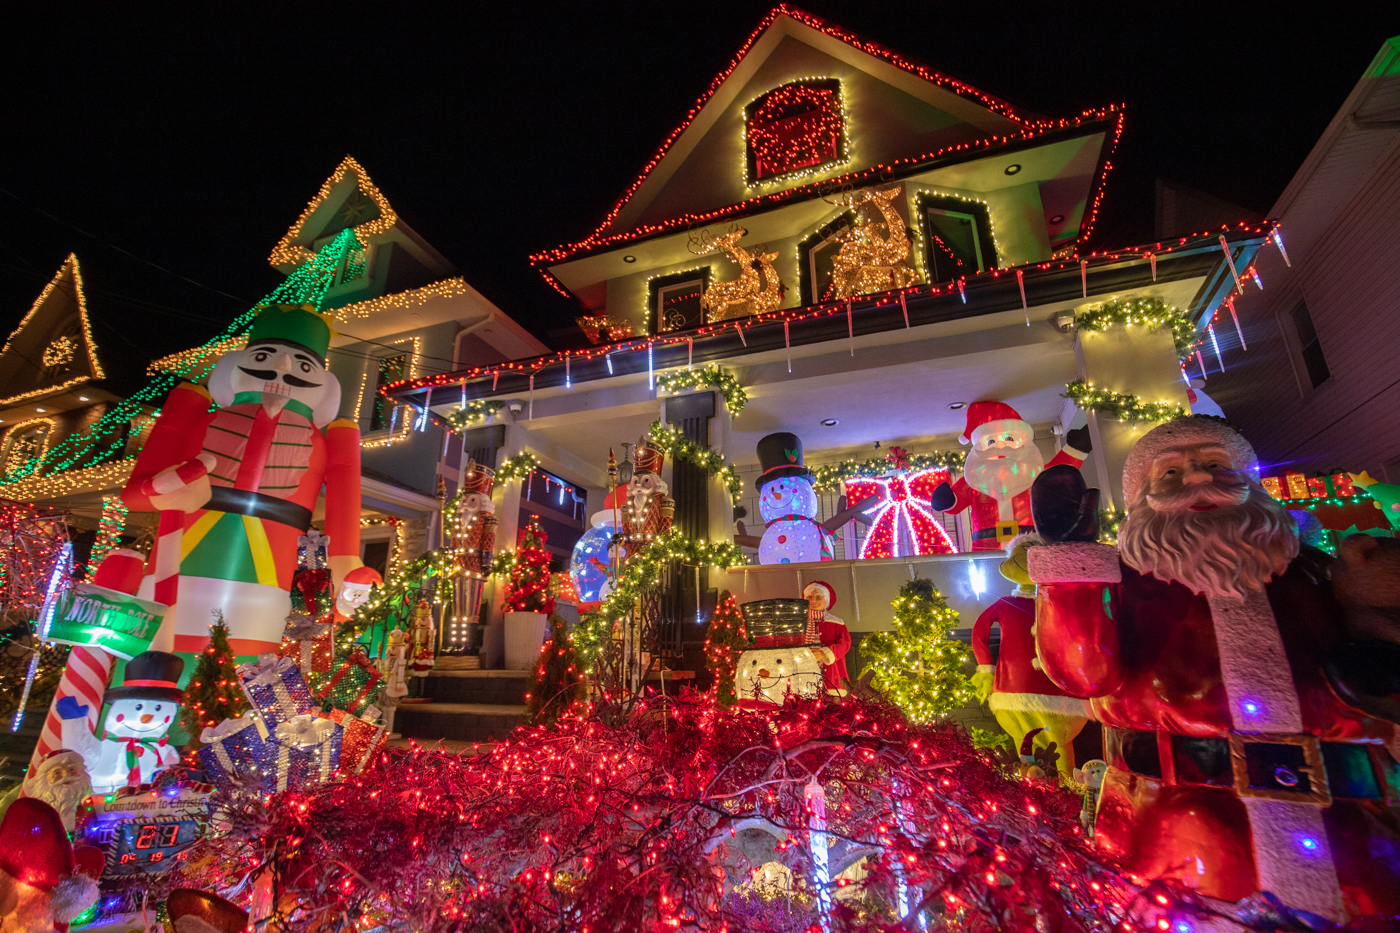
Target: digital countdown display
151, 846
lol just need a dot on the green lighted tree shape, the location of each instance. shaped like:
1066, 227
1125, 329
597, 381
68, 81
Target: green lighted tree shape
724, 642
915, 664
213, 693
557, 683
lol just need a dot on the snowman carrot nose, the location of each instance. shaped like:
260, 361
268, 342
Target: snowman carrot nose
145, 718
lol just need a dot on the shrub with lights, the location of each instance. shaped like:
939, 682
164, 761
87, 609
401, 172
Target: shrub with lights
916, 664
527, 587
557, 683
725, 640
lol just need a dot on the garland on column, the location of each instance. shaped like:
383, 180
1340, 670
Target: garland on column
707, 376
1126, 408
679, 447
916, 664
1148, 312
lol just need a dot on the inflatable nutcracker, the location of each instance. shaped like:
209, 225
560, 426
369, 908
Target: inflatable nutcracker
1015, 689
235, 472
997, 476
1199, 641
475, 543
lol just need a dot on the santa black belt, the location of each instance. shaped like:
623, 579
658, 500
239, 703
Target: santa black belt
257, 505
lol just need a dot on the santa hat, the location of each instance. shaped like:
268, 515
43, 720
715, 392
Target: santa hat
830, 593
980, 413
34, 849
616, 498
364, 576
1193, 429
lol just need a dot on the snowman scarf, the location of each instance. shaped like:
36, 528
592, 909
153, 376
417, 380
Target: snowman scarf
135, 748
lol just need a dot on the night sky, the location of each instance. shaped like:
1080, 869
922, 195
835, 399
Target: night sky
190, 136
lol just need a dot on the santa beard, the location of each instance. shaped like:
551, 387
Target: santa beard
1006, 478
1246, 541
65, 794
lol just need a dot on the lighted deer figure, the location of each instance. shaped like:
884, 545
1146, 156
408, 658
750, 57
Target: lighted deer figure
757, 289
868, 262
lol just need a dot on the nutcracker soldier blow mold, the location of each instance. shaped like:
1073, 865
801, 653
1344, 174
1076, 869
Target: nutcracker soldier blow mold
1199, 643
235, 472
1000, 468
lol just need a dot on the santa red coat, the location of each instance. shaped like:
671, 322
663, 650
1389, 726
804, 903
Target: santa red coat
986, 511
1018, 683
837, 637
1147, 653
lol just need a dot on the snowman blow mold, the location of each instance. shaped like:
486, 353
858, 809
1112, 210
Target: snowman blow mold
788, 505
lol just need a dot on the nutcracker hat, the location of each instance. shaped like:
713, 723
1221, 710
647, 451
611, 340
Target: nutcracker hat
830, 593
194, 911
648, 458
302, 325
34, 847
151, 675
980, 413
780, 455
478, 478
364, 576
1192, 429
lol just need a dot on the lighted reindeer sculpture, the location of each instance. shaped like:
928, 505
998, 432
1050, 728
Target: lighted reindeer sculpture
757, 289
868, 262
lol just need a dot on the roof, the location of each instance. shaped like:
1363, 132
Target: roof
52, 348
1000, 125
348, 185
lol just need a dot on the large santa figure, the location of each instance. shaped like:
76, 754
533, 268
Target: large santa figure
998, 473
235, 471
1199, 640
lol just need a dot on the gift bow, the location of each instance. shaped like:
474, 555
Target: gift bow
268, 669
302, 627
305, 731
313, 540
228, 727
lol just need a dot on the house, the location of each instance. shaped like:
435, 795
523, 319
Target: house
1315, 380
866, 246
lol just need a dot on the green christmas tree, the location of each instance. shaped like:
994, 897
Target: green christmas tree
557, 683
213, 693
724, 641
527, 589
916, 664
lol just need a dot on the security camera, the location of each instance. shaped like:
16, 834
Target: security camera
515, 406
1064, 321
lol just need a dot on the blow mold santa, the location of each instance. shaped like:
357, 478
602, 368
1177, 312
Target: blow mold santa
1199, 642
235, 471
998, 473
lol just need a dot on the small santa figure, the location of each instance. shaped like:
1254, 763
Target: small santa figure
649, 510
1000, 468
1015, 689
827, 636
61, 781
354, 593
133, 745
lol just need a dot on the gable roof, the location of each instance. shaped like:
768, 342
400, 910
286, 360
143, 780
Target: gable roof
982, 122
348, 195
52, 348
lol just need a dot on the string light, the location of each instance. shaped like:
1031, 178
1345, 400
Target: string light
1127, 408
709, 376
794, 130
109, 528
402, 301
184, 361
288, 251
1144, 311
70, 271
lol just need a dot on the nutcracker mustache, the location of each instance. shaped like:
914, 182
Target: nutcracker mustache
268, 375
1226, 551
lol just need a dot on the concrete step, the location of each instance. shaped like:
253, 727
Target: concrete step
491, 687
465, 722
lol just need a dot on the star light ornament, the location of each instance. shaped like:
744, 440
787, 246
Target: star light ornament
901, 524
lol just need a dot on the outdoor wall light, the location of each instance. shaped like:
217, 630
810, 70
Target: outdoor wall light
1013, 168
831, 422
955, 406
1058, 219
629, 258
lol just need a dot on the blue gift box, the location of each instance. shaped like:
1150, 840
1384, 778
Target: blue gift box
304, 750
234, 749
275, 689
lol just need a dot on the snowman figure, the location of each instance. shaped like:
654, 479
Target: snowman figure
788, 505
133, 745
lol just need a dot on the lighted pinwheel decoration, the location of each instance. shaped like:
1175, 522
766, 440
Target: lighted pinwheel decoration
902, 524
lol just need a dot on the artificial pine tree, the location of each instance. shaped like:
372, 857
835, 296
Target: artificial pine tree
725, 639
557, 683
528, 587
916, 664
213, 693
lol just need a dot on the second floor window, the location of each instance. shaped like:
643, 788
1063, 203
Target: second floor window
391, 369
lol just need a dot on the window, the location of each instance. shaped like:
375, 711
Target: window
674, 300
391, 369
1309, 346
794, 127
817, 253
24, 443
957, 238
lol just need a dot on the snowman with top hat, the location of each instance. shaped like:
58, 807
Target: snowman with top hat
133, 745
788, 505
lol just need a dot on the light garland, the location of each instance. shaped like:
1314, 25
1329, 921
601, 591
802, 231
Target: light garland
519, 466
286, 251
69, 268
474, 411
109, 528
402, 301
676, 445
828, 477
1129, 409
1144, 311
709, 376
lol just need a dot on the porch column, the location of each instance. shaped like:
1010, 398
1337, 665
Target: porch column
691, 598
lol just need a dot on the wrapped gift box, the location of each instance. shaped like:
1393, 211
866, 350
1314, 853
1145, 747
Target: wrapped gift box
305, 750
355, 685
363, 735
234, 749
275, 688
309, 642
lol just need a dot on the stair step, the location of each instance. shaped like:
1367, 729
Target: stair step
495, 687
465, 722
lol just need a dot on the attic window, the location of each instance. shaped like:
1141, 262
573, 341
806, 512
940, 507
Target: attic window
794, 127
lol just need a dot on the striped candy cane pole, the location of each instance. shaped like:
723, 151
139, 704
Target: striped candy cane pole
165, 563
85, 677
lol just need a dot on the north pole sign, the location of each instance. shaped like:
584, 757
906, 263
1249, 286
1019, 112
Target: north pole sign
96, 617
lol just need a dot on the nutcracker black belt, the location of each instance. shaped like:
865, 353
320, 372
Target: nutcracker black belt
257, 505
1287, 767
986, 533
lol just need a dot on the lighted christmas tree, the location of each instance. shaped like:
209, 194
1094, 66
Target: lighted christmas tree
213, 694
724, 641
916, 664
557, 682
527, 589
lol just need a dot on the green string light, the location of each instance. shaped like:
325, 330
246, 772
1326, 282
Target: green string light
1148, 312
706, 377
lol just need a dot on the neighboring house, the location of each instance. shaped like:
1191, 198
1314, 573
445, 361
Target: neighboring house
867, 246
1318, 388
